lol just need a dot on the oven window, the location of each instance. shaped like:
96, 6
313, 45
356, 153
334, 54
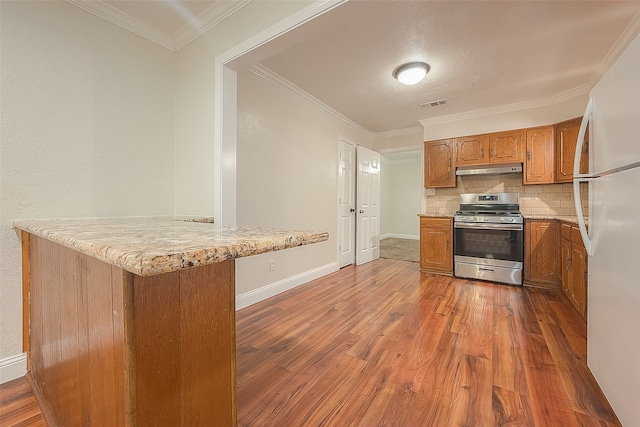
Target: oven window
490, 244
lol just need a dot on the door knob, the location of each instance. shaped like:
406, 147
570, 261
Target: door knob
361, 211
352, 210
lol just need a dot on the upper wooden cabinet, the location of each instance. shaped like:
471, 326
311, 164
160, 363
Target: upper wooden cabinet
506, 147
472, 150
547, 153
566, 134
436, 244
538, 165
439, 169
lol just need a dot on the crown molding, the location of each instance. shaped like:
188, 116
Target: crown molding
124, 20
398, 132
402, 149
212, 16
502, 109
208, 19
276, 79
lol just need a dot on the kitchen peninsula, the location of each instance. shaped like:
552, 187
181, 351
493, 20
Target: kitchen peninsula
131, 321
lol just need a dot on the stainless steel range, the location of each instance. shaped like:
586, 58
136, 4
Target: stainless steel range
489, 238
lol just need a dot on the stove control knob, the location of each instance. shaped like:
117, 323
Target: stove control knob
508, 219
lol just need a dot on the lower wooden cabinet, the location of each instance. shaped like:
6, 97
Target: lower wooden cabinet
436, 244
574, 268
542, 249
565, 261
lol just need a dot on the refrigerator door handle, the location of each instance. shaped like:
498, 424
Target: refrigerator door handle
577, 178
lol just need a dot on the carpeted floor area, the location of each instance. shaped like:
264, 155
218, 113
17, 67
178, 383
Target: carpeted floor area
402, 249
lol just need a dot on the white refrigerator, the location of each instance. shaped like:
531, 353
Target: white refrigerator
613, 240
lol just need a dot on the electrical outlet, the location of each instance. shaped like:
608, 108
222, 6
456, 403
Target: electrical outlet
431, 191
272, 265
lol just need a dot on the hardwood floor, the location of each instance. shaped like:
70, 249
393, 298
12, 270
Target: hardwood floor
385, 344
18, 405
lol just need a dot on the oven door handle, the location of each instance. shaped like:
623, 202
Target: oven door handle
489, 226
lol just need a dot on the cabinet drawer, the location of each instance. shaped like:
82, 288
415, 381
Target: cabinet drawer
435, 222
565, 231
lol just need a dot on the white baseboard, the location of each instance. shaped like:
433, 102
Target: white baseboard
273, 289
400, 236
13, 367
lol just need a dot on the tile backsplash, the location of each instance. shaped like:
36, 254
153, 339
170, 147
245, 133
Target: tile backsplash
542, 199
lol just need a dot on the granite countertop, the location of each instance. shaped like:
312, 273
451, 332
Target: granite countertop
565, 218
570, 219
153, 245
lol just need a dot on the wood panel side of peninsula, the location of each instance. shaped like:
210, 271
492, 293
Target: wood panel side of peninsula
109, 347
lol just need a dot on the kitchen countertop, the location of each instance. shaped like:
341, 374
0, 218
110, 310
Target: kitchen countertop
147, 246
569, 219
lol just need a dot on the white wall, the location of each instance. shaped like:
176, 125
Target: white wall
194, 100
286, 177
97, 121
399, 140
385, 197
87, 129
402, 180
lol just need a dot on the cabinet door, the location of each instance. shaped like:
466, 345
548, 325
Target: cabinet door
567, 276
566, 135
538, 163
436, 249
439, 170
506, 147
579, 279
542, 244
472, 150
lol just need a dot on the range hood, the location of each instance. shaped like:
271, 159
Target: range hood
489, 169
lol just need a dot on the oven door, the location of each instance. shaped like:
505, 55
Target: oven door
492, 252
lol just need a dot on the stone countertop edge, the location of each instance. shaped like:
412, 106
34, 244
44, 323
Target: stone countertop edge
157, 245
565, 218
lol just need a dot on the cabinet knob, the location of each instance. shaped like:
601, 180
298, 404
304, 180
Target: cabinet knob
352, 210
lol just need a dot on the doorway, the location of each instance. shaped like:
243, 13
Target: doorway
401, 202
358, 204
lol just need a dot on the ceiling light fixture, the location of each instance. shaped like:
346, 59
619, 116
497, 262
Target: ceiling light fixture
411, 72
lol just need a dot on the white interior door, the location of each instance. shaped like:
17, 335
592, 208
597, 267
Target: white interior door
368, 206
346, 204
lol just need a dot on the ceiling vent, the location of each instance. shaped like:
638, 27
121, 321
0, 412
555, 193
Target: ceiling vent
437, 103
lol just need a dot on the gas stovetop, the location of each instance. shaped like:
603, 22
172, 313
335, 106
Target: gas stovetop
469, 217
488, 213
492, 208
